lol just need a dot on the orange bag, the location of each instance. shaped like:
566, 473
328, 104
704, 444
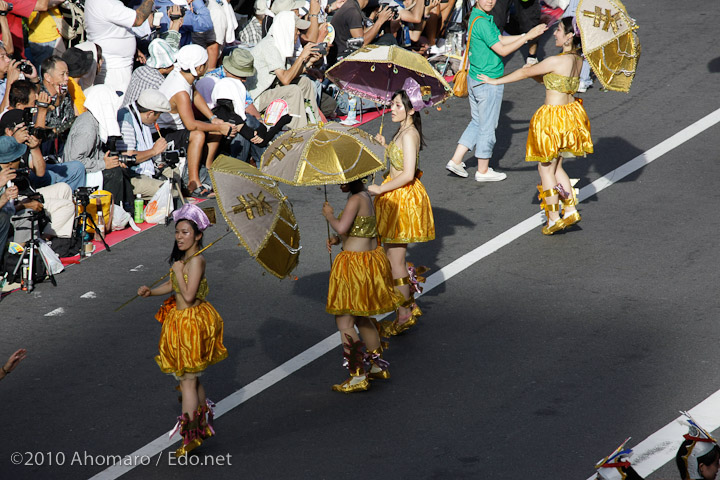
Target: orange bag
460, 86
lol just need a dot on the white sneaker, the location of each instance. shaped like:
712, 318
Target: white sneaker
490, 176
531, 61
458, 170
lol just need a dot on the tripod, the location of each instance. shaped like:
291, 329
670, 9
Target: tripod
32, 249
82, 220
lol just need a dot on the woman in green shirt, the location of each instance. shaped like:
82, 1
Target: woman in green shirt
487, 47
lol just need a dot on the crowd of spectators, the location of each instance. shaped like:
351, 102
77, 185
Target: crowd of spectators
95, 91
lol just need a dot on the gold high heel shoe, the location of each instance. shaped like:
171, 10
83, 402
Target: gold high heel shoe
190, 433
378, 365
558, 224
355, 363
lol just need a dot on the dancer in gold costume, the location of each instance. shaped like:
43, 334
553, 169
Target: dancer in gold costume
192, 330
558, 128
360, 286
403, 207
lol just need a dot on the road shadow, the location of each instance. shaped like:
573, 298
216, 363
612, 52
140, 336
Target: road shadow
714, 65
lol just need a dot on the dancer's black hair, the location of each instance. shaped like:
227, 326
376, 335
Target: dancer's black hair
356, 186
417, 121
568, 27
177, 254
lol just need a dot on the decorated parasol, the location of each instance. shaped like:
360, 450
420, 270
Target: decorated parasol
610, 44
323, 154
375, 72
259, 214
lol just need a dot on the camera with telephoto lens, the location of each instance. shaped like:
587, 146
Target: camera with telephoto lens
177, 17
5, 12
81, 196
111, 148
25, 67
172, 157
28, 119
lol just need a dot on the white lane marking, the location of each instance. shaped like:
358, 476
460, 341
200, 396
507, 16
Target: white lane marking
88, 295
56, 313
445, 273
661, 447
137, 269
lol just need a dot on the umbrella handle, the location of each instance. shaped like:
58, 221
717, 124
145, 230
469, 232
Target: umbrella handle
328, 228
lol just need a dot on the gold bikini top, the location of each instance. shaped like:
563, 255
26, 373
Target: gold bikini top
561, 83
396, 156
203, 289
363, 227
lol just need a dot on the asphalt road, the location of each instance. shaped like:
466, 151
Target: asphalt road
534, 362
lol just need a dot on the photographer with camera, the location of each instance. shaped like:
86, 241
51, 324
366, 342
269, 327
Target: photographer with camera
8, 194
86, 143
55, 200
12, 71
23, 99
136, 127
59, 114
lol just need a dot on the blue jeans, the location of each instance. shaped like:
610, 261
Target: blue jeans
39, 52
72, 173
241, 148
485, 101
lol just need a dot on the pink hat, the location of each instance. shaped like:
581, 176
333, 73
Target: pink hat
194, 214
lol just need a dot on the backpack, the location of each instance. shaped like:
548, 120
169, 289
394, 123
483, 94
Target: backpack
71, 24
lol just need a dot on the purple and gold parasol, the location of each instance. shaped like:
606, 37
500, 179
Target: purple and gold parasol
375, 72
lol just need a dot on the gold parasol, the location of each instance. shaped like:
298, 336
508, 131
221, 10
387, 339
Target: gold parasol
609, 42
323, 154
259, 214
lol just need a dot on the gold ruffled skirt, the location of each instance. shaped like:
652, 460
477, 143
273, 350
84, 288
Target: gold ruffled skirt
361, 284
404, 215
558, 128
191, 339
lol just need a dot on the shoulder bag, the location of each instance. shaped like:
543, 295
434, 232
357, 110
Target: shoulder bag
460, 85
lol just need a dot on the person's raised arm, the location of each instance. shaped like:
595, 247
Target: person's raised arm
5, 30
310, 35
287, 76
538, 70
414, 13
508, 44
384, 15
143, 12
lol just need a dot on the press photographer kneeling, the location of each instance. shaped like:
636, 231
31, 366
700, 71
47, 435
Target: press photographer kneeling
55, 200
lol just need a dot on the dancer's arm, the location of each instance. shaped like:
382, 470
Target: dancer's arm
163, 289
538, 70
342, 226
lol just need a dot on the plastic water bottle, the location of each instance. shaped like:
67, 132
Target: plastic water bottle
353, 111
138, 213
25, 275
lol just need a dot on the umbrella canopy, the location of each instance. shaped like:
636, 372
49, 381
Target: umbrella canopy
323, 154
375, 72
610, 44
259, 214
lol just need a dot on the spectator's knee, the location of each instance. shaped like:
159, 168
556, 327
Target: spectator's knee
197, 136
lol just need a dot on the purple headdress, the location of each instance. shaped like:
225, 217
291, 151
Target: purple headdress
576, 29
419, 96
194, 214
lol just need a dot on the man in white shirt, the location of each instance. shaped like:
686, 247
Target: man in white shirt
109, 23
